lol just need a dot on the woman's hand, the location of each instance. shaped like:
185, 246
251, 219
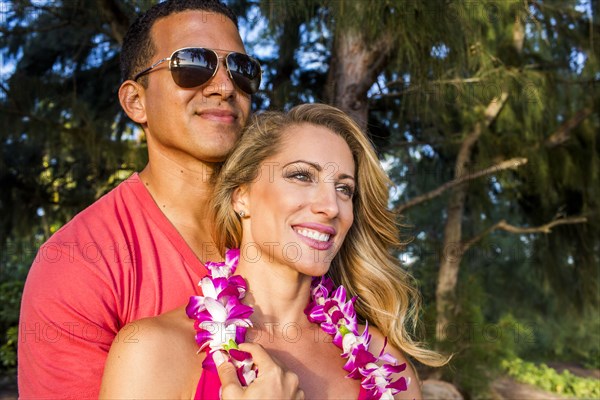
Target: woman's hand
273, 381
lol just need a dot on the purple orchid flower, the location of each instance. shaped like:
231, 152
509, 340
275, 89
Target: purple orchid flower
244, 365
339, 316
195, 306
218, 323
378, 381
321, 287
227, 268
356, 350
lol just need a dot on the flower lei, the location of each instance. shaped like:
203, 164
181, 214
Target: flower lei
221, 321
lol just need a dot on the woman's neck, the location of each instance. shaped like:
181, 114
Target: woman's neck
277, 294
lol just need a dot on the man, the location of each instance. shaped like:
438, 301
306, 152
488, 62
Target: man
138, 251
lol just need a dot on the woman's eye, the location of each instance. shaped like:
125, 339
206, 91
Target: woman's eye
300, 176
346, 190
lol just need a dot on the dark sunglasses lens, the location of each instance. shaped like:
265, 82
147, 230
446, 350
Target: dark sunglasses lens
193, 67
245, 71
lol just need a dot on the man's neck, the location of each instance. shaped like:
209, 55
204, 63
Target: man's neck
184, 196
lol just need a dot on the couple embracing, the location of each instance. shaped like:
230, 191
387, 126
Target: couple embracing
250, 258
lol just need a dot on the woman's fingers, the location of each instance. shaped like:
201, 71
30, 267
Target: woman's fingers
273, 381
230, 384
260, 356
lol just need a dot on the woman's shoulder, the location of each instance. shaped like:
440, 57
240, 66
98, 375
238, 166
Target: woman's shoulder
153, 356
378, 342
137, 337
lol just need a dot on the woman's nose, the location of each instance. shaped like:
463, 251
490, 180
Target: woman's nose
325, 200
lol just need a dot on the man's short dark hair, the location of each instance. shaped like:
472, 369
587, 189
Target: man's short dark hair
138, 48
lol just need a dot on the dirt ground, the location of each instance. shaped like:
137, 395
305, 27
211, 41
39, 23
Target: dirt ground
575, 369
509, 389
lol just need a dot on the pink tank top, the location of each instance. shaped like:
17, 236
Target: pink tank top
209, 387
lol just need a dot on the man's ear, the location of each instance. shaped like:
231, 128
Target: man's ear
131, 97
240, 199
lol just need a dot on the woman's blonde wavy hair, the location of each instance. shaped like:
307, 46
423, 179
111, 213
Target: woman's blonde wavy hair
364, 264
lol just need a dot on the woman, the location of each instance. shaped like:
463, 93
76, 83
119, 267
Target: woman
302, 195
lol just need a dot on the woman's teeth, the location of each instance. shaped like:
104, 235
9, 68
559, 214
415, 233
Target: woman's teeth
316, 235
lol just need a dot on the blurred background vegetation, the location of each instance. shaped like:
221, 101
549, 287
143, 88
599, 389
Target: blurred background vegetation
485, 114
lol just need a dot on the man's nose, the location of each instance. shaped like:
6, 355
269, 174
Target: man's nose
221, 83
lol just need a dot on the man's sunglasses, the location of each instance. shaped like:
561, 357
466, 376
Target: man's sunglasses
194, 66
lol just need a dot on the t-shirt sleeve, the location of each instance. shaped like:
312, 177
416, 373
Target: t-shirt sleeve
69, 318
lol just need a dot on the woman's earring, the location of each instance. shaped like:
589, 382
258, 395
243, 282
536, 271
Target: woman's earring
242, 214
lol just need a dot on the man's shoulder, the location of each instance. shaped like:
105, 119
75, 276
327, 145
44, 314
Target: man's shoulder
109, 221
102, 215
125, 196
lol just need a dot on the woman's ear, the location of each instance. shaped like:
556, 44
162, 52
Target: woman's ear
240, 200
131, 97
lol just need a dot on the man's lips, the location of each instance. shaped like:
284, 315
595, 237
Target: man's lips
218, 115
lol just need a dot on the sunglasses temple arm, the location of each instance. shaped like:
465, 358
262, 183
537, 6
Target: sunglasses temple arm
150, 68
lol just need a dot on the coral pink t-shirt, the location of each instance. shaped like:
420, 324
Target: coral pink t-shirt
117, 261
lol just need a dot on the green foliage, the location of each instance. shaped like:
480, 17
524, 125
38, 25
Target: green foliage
549, 379
574, 339
64, 134
8, 349
10, 304
479, 346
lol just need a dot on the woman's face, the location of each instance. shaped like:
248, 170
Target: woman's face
299, 208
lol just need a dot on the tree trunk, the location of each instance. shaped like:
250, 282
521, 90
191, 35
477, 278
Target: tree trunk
355, 66
452, 245
286, 63
450, 261
111, 11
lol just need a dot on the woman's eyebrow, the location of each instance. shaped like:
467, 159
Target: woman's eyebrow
319, 168
312, 164
346, 176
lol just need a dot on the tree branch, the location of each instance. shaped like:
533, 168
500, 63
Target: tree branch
493, 109
32, 29
464, 155
112, 13
4, 88
503, 225
513, 163
416, 88
563, 133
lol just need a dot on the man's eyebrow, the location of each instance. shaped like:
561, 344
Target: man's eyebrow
318, 167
